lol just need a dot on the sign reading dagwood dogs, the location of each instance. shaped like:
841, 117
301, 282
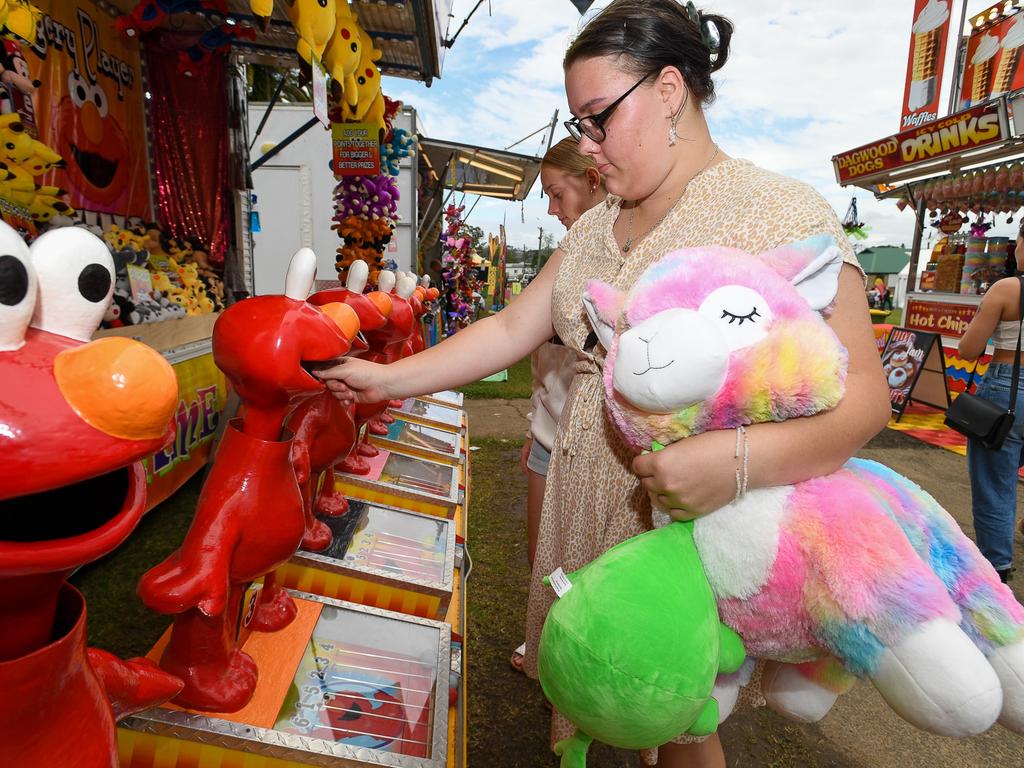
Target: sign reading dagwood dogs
915, 370
973, 128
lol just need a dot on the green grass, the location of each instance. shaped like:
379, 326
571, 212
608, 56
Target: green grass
518, 386
117, 620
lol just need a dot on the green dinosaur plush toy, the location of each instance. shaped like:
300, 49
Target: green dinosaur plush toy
631, 651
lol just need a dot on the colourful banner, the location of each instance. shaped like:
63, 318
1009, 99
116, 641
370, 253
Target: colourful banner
939, 317
202, 395
992, 64
923, 87
90, 108
973, 128
356, 149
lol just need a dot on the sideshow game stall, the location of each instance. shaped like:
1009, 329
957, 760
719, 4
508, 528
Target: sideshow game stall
957, 173
346, 654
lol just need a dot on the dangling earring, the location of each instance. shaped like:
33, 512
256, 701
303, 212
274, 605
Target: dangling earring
672, 135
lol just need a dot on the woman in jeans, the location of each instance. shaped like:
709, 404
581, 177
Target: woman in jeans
993, 473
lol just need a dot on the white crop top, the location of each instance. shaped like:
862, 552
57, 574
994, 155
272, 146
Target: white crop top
1005, 336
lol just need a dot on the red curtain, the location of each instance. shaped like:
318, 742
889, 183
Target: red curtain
188, 127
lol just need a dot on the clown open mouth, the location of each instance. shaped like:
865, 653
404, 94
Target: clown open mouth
61, 513
97, 169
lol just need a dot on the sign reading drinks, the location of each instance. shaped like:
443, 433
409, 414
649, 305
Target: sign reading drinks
356, 149
973, 128
993, 58
927, 54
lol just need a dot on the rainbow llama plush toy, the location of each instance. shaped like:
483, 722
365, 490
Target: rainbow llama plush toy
860, 566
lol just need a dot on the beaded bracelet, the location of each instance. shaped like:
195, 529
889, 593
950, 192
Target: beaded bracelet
743, 469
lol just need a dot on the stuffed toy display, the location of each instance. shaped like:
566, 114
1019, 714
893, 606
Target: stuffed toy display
22, 158
459, 272
860, 566
179, 280
21, 18
368, 106
394, 149
366, 212
343, 53
314, 24
147, 15
216, 41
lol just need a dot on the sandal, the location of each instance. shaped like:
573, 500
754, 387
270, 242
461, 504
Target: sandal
517, 658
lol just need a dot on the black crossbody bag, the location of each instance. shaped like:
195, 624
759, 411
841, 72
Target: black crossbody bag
981, 419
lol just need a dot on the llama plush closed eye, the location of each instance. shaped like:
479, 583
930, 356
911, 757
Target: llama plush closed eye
861, 566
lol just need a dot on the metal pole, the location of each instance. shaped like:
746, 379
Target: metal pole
915, 249
958, 61
284, 143
551, 136
270, 108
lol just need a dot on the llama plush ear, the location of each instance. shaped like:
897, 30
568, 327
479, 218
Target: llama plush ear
812, 266
603, 304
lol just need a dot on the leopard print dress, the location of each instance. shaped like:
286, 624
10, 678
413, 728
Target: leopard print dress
592, 499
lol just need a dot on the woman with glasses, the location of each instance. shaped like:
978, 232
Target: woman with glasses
637, 78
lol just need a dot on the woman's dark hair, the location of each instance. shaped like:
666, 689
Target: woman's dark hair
649, 35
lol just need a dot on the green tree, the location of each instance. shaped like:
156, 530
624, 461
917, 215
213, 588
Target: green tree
263, 81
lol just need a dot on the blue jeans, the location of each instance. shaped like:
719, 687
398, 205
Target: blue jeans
994, 473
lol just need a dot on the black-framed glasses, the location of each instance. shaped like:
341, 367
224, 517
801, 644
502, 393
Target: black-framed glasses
592, 126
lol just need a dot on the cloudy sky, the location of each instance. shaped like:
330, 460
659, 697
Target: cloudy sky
805, 80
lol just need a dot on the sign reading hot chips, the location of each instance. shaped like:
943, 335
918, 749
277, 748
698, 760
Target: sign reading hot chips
970, 129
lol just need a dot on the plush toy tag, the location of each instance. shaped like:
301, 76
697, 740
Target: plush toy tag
560, 582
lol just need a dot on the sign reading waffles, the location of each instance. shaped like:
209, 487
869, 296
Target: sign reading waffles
993, 60
925, 61
970, 129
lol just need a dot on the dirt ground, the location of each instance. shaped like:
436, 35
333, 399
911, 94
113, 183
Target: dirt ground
508, 722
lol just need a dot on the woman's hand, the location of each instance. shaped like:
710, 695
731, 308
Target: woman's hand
358, 381
524, 456
693, 477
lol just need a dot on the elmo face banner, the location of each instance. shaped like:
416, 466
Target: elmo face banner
90, 107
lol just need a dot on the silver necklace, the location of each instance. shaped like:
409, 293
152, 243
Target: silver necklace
632, 211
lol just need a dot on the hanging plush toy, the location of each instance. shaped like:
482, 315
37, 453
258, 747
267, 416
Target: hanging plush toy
393, 150
20, 17
343, 53
368, 107
216, 41
860, 566
150, 14
314, 24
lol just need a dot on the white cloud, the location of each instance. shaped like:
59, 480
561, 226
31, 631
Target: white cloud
805, 80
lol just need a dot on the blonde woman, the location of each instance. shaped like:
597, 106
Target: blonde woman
573, 186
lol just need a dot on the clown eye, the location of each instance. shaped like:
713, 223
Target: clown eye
741, 314
76, 282
17, 289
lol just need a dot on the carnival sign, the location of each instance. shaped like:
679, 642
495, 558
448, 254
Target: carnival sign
973, 128
925, 59
939, 317
356, 149
992, 62
89, 107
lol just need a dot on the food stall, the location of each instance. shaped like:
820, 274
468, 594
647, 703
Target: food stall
957, 173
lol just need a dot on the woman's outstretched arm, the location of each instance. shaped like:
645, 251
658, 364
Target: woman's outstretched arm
483, 348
